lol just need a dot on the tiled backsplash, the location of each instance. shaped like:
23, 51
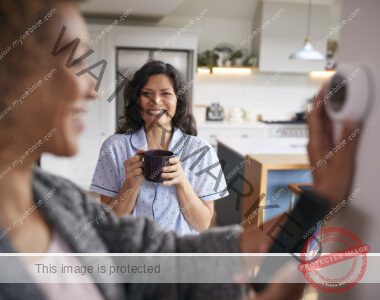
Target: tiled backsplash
274, 95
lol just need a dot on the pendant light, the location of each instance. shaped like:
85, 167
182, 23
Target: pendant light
307, 52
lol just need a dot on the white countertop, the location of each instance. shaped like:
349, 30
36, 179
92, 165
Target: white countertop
226, 123
245, 124
282, 145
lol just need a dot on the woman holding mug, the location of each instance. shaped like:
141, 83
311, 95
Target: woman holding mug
157, 116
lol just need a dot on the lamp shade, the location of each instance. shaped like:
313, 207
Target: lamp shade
307, 52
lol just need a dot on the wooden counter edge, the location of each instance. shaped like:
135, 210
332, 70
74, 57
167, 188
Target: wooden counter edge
281, 161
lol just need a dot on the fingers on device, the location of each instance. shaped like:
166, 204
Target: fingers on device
350, 95
308, 211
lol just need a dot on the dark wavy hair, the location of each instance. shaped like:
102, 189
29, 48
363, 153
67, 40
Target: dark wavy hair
132, 120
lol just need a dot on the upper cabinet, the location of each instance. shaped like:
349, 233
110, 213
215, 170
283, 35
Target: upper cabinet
283, 29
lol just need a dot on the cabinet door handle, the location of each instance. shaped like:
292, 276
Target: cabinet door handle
245, 136
213, 136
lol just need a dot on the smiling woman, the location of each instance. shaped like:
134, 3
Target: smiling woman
182, 118
157, 114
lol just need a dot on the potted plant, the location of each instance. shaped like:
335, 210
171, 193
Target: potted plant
219, 52
202, 60
237, 58
208, 59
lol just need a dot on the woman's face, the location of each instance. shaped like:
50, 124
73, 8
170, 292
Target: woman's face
55, 106
157, 98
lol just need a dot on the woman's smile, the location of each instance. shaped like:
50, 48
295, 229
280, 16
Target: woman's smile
153, 113
77, 115
158, 100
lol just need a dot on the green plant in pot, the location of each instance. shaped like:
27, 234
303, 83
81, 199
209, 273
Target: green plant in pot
202, 60
237, 58
208, 59
212, 58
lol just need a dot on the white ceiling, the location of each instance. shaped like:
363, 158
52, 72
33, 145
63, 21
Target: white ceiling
229, 9
320, 2
145, 8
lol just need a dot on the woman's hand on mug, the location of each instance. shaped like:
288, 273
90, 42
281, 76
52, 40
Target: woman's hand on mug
133, 169
174, 173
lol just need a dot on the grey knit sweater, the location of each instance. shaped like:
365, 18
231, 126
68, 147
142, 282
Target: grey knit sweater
70, 209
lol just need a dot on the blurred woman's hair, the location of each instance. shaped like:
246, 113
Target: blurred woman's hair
22, 54
132, 121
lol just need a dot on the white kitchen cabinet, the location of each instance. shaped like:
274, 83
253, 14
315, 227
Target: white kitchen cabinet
213, 134
214, 131
286, 33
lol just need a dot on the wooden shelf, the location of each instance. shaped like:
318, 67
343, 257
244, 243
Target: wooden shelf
235, 70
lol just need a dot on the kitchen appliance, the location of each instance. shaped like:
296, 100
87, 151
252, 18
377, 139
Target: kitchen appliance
297, 118
215, 112
237, 114
289, 131
300, 116
285, 122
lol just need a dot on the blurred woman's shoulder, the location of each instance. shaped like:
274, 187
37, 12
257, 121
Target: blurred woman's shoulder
47, 185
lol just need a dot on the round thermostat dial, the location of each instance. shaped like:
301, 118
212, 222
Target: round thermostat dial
350, 93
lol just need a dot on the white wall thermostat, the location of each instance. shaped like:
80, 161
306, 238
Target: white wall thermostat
350, 95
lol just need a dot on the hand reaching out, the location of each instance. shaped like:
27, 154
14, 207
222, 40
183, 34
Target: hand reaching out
333, 177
